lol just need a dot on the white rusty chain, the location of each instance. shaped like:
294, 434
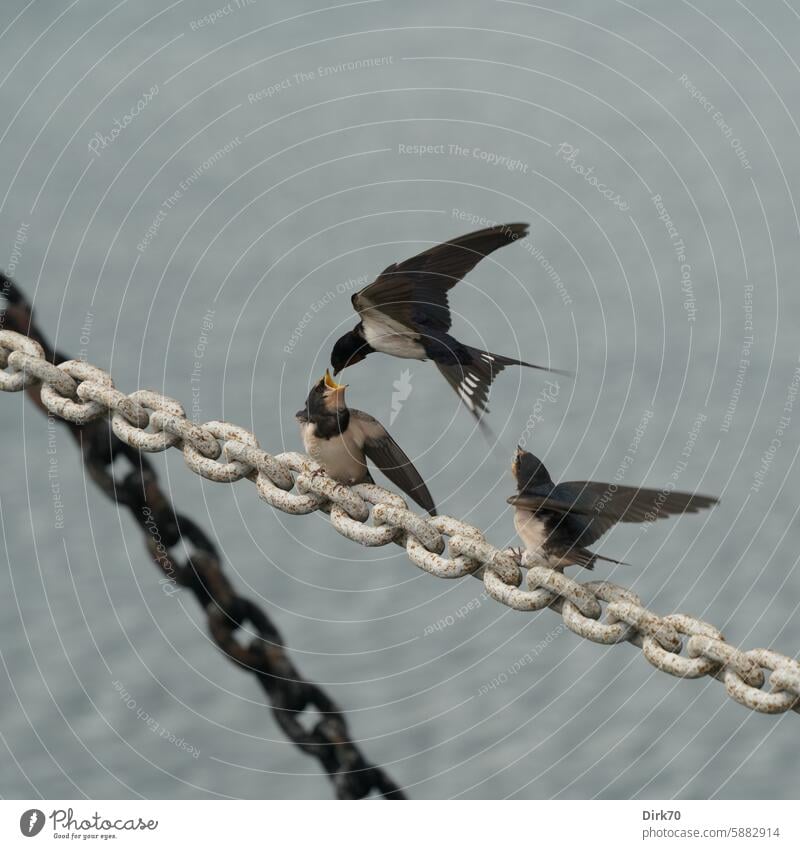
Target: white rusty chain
219, 451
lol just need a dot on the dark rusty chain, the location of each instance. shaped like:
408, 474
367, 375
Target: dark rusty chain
202, 574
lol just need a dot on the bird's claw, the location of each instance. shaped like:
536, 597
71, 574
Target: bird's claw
516, 553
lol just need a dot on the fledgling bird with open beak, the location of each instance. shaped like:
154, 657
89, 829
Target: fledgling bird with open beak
558, 521
405, 313
341, 440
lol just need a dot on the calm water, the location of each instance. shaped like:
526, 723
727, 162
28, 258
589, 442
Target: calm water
263, 165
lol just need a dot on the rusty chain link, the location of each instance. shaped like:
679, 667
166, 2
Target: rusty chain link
82, 396
425, 539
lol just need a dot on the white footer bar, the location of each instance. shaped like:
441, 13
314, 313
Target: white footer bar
412, 825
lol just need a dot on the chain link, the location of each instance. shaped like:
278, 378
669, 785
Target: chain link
425, 539
606, 633
10, 342
212, 469
674, 664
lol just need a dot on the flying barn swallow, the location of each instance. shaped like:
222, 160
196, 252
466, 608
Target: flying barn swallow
341, 440
559, 520
405, 313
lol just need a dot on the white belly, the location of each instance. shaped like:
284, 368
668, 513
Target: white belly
391, 337
531, 530
341, 456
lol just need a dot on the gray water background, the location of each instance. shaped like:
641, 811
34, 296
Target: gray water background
317, 193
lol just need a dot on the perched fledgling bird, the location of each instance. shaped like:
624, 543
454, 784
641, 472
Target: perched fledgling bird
405, 313
341, 440
560, 520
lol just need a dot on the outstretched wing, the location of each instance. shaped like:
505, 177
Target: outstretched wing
414, 292
390, 458
590, 508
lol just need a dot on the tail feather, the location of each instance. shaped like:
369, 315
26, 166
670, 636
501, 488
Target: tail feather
471, 379
509, 361
577, 556
607, 560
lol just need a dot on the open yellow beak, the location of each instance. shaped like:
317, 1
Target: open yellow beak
331, 384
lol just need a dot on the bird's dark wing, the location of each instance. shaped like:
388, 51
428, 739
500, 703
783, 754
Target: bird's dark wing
390, 458
590, 508
414, 292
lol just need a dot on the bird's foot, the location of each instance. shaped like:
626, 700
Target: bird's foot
516, 553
